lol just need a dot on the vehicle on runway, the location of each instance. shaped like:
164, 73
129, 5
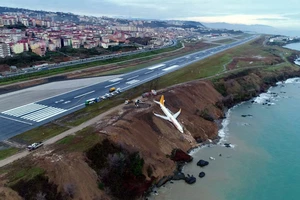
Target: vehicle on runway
35, 146
112, 89
169, 115
91, 101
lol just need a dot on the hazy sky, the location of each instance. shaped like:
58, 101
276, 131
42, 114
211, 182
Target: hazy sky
285, 14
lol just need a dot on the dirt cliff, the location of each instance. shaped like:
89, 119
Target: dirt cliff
138, 129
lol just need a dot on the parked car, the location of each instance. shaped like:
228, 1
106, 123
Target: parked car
35, 146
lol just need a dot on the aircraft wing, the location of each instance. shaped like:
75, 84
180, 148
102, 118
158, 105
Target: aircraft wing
161, 116
176, 114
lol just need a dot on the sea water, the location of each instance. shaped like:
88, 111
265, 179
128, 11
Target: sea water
264, 162
294, 46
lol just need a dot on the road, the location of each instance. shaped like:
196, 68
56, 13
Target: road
23, 118
88, 60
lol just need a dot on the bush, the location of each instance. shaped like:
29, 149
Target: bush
101, 186
118, 170
38, 188
205, 114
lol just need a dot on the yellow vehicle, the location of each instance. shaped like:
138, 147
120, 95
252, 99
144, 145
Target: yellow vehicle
112, 89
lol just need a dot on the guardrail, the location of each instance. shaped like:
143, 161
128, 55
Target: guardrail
88, 60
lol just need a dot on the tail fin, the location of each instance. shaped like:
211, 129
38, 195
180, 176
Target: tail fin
162, 100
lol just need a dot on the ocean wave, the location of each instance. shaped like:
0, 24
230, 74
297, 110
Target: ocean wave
195, 150
223, 132
292, 80
262, 98
297, 61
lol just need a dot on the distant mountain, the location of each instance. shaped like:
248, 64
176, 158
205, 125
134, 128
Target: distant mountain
257, 28
186, 24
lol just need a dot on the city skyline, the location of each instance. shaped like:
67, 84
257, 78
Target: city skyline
279, 15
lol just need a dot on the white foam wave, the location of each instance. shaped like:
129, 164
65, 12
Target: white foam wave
292, 80
223, 132
262, 98
195, 150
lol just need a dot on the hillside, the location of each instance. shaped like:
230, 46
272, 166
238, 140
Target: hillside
129, 149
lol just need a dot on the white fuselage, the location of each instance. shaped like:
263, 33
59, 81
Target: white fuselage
171, 118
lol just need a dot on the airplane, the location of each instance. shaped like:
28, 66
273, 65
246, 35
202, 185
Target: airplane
169, 115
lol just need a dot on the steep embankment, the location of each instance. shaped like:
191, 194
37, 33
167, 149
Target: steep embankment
118, 168
139, 130
244, 85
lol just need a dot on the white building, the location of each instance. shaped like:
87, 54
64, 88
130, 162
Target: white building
4, 50
17, 48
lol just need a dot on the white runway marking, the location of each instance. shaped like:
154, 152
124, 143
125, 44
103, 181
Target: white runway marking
172, 67
149, 72
133, 77
111, 85
59, 101
16, 120
84, 94
22, 110
115, 80
34, 112
132, 81
43, 114
76, 106
156, 66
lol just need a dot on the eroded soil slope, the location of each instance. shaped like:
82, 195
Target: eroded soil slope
138, 130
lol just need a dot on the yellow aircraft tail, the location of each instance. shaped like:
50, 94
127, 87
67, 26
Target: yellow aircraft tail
162, 100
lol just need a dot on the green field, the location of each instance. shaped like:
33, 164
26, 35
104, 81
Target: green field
81, 141
40, 133
7, 152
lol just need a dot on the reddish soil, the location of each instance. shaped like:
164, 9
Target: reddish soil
72, 174
157, 137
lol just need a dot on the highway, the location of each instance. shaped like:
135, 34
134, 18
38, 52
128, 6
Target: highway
20, 119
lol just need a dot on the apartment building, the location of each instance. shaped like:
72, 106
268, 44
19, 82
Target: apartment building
4, 50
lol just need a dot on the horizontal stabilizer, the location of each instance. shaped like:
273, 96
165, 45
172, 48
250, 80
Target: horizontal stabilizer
176, 114
161, 116
156, 102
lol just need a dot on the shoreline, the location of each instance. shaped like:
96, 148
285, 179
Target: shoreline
222, 133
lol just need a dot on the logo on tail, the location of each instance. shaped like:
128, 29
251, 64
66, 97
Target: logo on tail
162, 100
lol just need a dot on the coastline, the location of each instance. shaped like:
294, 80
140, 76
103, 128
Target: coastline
206, 150
294, 46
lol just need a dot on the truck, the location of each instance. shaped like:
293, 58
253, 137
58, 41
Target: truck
34, 146
148, 94
92, 100
39, 67
128, 101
